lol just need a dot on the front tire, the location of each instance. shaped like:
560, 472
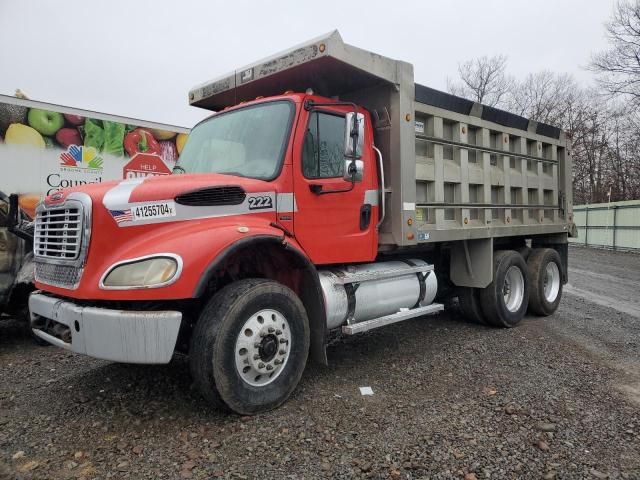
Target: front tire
250, 346
544, 269
505, 300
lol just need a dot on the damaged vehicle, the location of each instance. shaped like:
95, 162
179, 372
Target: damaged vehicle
16, 263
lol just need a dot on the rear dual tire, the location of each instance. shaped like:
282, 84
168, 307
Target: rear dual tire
544, 269
504, 301
517, 285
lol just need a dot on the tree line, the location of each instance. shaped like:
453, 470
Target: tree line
603, 120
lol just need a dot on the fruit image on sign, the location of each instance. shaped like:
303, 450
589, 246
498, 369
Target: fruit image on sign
68, 136
145, 165
45, 121
141, 141
47, 148
181, 139
18, 134
163, 134
55, 130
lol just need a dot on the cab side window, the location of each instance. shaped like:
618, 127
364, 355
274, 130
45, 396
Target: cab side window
323, 150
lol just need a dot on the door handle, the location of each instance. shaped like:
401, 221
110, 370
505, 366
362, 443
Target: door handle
315, 188
365, 216
318, 189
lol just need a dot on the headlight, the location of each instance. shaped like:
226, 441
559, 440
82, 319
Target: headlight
143, 273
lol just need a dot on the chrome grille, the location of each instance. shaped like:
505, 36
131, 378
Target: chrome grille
61, 241
58, 232
66, 276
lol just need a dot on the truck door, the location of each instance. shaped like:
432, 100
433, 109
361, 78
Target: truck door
335, 220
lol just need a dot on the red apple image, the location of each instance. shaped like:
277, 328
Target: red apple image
68, 136
74, 119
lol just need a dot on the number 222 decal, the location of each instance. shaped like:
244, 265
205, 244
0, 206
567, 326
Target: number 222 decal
260, 202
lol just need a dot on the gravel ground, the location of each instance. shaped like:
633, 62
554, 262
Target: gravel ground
557, 397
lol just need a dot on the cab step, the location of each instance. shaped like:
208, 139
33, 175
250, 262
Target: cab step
393, 318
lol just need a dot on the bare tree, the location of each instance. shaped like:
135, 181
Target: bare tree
544, 96
482, 80
605, 149
624, 152
590, 150
619, 67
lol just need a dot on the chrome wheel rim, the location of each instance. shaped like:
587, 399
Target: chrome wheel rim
513, 289
551, 282
262, 347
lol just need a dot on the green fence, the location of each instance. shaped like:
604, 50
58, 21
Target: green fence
614, 225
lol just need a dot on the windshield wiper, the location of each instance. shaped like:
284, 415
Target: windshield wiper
179, 169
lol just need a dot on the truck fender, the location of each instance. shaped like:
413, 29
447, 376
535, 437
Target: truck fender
310, 291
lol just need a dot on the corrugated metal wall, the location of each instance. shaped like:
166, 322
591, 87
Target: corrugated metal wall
613, 225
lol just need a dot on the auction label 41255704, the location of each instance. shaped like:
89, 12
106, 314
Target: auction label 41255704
154, 210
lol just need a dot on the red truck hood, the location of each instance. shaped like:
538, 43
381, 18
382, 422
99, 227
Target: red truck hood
140, 202
130, 219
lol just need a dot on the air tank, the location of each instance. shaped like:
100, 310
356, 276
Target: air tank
365, 300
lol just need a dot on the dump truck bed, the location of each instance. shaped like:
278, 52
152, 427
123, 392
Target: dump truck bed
454, 169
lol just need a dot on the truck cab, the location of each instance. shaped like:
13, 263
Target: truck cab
296, 143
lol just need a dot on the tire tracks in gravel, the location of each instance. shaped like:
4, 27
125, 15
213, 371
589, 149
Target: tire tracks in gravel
609, 333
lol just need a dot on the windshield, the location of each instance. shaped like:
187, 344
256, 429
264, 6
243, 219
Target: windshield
249, 142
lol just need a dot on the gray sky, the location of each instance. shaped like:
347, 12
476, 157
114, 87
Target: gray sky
139, 58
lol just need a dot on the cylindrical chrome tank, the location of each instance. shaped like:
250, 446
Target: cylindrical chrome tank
374, 298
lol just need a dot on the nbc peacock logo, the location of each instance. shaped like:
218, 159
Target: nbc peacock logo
81, 157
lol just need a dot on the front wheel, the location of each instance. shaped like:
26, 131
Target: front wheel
250, 346
504, 301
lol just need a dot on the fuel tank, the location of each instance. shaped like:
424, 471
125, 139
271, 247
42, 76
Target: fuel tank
368, 297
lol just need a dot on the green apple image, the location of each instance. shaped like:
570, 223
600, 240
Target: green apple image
44, 121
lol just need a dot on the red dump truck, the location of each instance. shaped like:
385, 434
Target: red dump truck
328, 192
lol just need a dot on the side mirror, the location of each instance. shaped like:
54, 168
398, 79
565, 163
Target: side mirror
353, 136
353, 170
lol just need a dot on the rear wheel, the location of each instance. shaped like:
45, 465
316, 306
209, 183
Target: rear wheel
250, 346
543, 269
469, 301
504, 301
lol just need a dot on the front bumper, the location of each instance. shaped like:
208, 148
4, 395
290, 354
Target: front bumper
117, 335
